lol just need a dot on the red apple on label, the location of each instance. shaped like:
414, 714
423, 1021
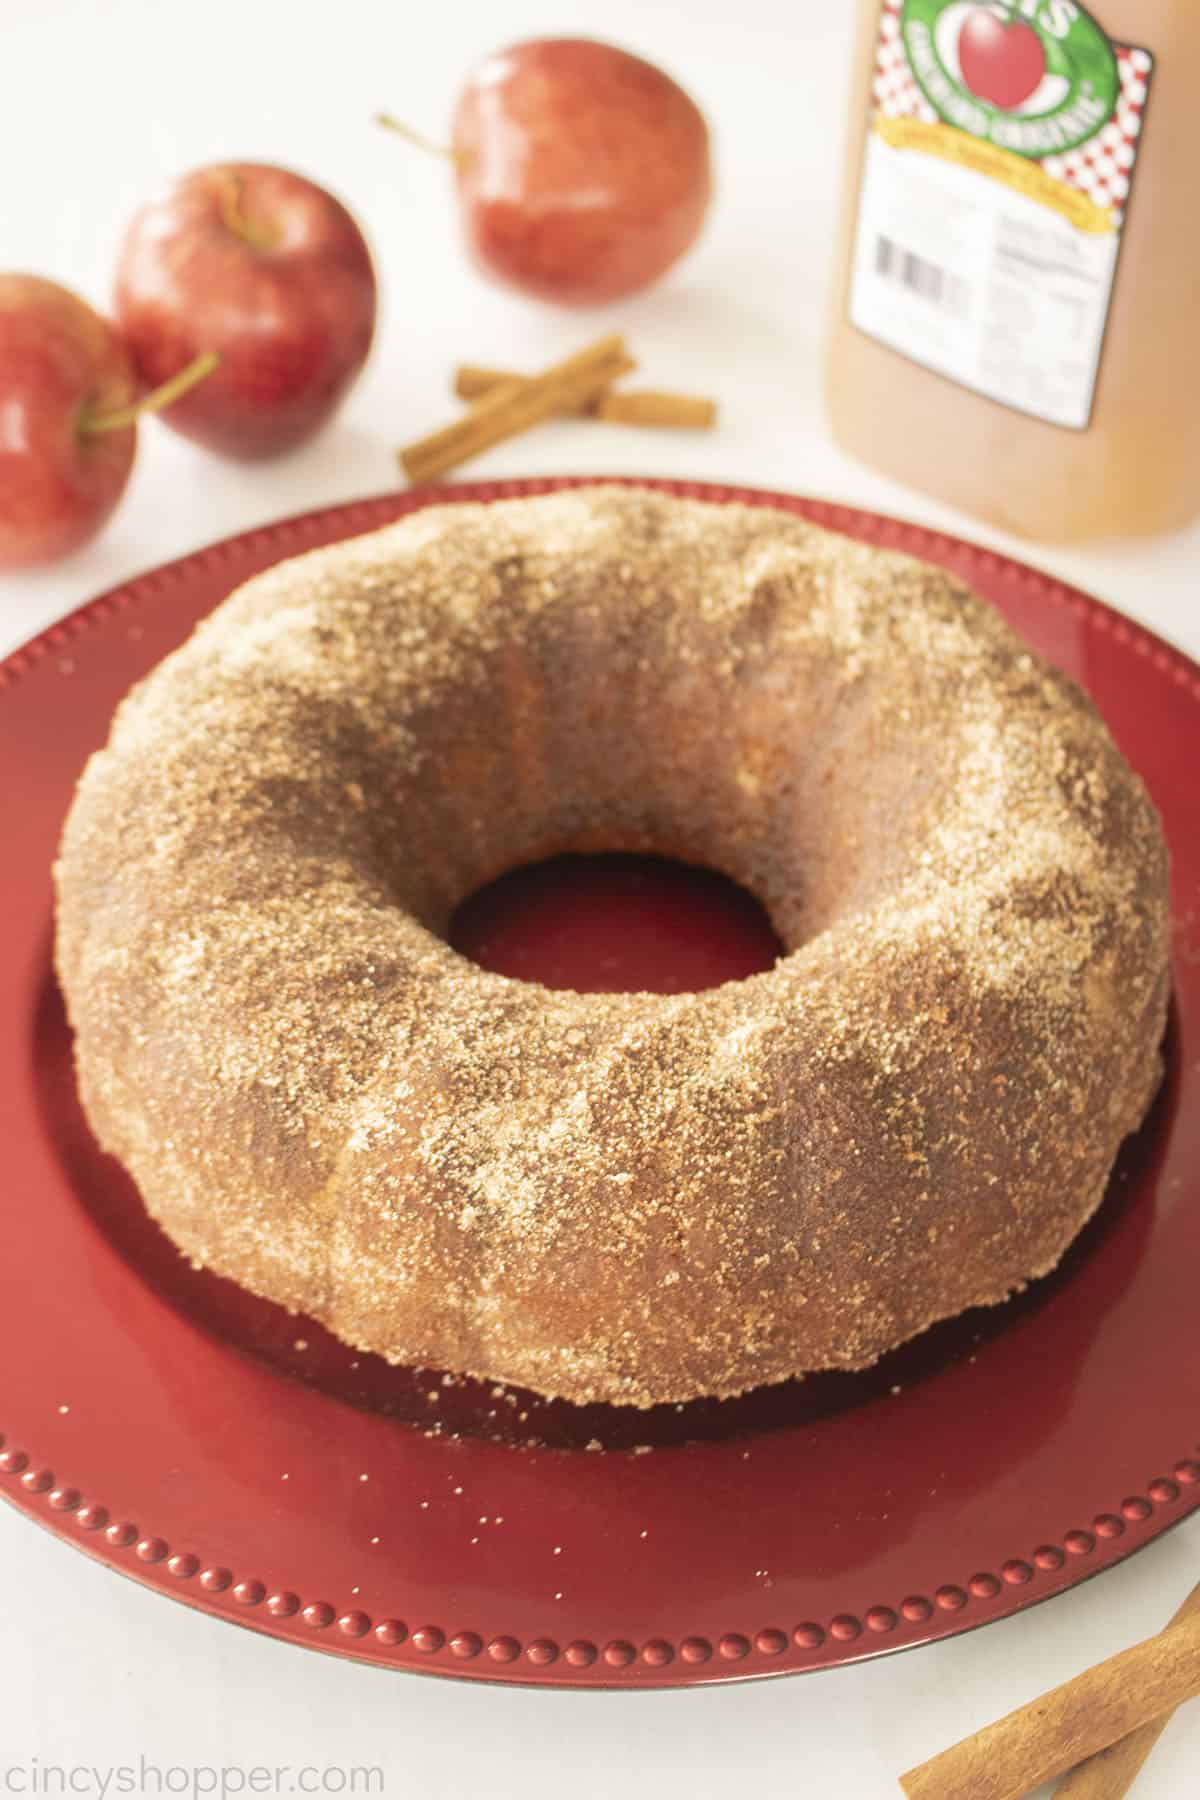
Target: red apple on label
583, 172
1003, 62
270, 272
64, 371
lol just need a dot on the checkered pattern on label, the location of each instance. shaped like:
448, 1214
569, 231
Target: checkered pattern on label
896, 93
1102, 168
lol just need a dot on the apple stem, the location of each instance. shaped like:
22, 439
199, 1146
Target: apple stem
200, 366
234, 218
429, 145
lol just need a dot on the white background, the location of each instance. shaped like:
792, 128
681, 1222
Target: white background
98, 103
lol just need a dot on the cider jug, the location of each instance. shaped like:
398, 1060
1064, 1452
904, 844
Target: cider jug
1018, 300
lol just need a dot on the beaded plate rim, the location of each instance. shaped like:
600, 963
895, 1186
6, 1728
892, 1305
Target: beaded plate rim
984, 1596
774, 1648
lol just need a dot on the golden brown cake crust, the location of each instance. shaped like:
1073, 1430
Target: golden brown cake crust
614, 1197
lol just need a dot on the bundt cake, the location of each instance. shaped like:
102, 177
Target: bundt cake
622, 1197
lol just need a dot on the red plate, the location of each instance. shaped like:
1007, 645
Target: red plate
243, 1461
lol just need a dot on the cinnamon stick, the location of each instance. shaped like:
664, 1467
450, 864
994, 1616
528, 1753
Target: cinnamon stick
654, 406
1049, 1736
515, 405
1111, 1773
638, 406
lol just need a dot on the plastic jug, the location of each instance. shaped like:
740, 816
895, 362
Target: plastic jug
1017, 310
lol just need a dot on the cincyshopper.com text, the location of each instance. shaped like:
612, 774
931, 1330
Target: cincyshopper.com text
143, 1777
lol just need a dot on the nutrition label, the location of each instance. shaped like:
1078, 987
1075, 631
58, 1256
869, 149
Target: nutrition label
977, 254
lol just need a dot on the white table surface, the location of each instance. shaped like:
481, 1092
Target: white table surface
100, 102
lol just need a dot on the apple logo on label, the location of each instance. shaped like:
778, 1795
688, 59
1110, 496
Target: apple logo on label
1003, 63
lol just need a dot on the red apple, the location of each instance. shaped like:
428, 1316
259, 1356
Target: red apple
1003, 62
270, 272
64, 372
583, 172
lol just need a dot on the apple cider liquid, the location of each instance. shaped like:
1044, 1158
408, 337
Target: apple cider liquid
1017, 316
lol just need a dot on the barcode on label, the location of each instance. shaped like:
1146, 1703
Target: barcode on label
929, 281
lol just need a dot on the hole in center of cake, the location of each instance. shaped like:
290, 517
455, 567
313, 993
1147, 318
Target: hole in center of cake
616, 923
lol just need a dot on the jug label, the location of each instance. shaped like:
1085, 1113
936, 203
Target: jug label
997, 178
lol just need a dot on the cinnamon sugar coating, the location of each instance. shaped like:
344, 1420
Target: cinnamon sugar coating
629, 1197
